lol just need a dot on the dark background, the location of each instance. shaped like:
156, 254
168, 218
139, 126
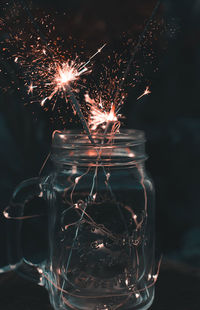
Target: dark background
170, 115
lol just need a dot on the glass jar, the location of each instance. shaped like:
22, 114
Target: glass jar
100, 210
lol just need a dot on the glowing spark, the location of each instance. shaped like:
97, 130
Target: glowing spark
99, 117
67, 73
137, 295
98, 51
146, 92
31, 88
61, 75
16, 59
43, 101
89, 100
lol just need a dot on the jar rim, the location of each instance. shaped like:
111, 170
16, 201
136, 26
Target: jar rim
65, 138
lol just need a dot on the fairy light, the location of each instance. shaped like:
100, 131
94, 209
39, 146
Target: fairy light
77, 180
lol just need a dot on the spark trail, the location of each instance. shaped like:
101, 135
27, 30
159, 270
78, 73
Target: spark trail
146, 92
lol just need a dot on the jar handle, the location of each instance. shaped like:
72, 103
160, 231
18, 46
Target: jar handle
16, 215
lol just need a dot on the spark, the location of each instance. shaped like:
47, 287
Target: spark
101, 118
61, 75
31, 88
16, 59
43, 101
67, 73
94, 55
146, 92
98, 116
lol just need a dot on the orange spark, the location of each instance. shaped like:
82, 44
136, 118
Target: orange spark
31, 88
146, 92
61, 77
67, 73
98, 116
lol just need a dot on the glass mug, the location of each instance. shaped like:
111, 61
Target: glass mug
99, 219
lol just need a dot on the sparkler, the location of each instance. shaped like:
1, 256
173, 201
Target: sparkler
98, 117
60, 77
101, 118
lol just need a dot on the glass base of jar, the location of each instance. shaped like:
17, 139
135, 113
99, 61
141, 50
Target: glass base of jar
68, 305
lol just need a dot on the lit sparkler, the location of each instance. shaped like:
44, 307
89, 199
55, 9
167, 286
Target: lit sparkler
98, 116
61, 75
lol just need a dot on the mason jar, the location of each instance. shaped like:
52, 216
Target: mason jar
99, 223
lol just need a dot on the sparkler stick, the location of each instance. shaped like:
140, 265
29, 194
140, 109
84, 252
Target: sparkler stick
80, 113
63, 81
